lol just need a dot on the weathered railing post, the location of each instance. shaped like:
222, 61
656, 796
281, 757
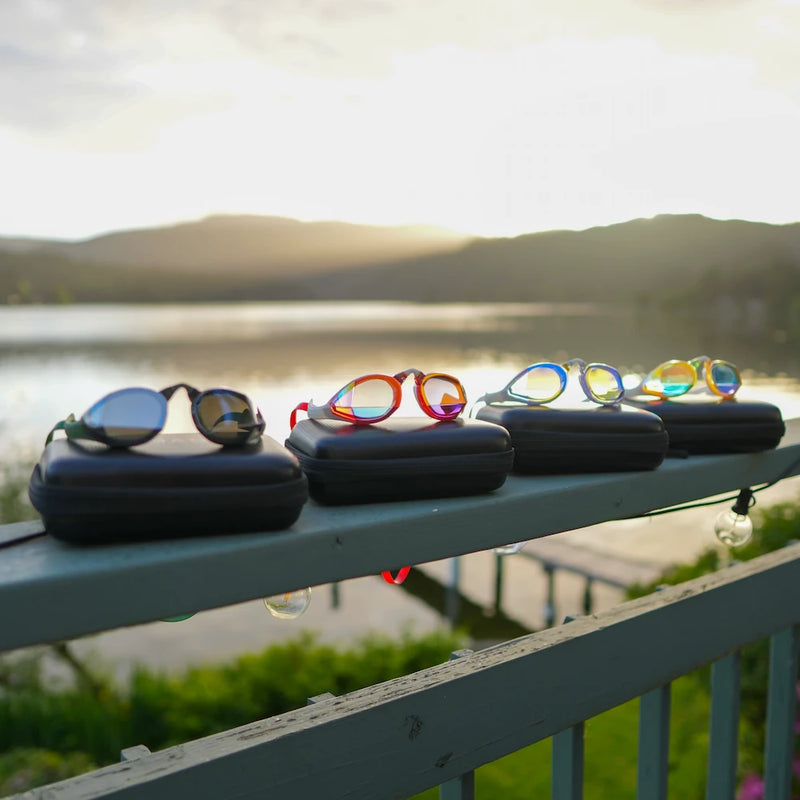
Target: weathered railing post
723, 742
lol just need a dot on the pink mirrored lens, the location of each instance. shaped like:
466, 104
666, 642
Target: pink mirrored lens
445, 397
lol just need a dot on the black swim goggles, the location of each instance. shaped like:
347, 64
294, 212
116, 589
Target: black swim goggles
135, 415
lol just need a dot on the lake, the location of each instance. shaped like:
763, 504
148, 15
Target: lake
60, 359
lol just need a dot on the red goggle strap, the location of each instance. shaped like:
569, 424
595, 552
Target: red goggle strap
402, 574
293, 416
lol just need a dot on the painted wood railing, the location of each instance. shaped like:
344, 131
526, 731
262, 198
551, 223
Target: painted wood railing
435, 727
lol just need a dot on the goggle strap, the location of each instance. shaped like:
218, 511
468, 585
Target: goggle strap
402, 574
293, 416
59, 426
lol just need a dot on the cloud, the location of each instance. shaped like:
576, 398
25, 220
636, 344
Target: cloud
398, 108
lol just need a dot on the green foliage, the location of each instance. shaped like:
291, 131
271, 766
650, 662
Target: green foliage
160, 710
774, 527
22, 769
14, 503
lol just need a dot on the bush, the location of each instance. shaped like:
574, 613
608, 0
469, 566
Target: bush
159, 710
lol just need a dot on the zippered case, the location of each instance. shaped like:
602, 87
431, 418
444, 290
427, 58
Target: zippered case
705, 426
400, 459
175, 485
549, 440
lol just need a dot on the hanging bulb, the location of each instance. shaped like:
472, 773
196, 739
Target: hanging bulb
288, 605
734, 526
509, 549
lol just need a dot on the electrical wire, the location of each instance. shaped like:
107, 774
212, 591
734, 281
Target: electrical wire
760, 488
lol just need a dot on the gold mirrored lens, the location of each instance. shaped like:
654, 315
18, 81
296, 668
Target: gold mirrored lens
604, 384
224, 416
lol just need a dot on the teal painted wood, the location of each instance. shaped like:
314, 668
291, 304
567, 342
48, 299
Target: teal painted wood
419, 731
781, 706
723, 746
653, 763
567, 770
460, 788
330, 544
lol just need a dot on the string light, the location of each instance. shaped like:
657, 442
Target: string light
734, 527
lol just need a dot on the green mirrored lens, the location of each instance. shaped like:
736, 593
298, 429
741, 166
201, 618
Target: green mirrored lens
604, 384
539, 384
128, 416
672, 380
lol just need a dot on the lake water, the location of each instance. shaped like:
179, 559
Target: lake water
57, 360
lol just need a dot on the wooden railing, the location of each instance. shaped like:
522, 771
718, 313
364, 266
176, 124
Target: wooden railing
435, 727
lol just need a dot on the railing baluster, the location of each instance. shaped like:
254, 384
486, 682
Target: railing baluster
781, 705
567, 769
724, 728
460, 788
651, 779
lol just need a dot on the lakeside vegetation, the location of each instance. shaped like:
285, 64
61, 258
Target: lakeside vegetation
738, 278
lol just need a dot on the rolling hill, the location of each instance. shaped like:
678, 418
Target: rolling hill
260, 258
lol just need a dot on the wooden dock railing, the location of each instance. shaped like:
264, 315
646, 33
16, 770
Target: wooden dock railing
435, 727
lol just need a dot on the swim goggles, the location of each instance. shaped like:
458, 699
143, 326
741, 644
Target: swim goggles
372, 398
133, 416
675, 378
543, 382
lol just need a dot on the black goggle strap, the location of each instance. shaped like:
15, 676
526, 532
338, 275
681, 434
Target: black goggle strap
170, 390
74, 428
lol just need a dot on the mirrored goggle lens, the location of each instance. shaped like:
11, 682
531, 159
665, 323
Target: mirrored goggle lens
225, 417
366, 400
605, 384
672, 380
128, 416
725, 377
539, 384
444, 396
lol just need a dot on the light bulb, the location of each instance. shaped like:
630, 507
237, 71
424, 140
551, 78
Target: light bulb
288, 605
734, 527
509, 549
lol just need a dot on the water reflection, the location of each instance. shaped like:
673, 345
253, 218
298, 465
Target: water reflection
57, 360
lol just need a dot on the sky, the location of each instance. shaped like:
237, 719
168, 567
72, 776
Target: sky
492, 117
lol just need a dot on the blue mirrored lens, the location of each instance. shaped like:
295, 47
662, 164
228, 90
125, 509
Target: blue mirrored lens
726, 377
128, 416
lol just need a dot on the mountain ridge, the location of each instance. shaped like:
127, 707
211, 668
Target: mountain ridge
281, 258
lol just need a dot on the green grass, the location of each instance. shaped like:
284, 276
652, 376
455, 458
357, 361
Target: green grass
610, 750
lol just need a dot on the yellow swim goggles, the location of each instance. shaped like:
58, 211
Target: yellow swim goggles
675, 378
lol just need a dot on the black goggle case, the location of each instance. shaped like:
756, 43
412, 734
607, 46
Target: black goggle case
549, 440
706, 426
175, 485
401, 458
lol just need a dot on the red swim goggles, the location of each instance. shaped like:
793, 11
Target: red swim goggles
372, 398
